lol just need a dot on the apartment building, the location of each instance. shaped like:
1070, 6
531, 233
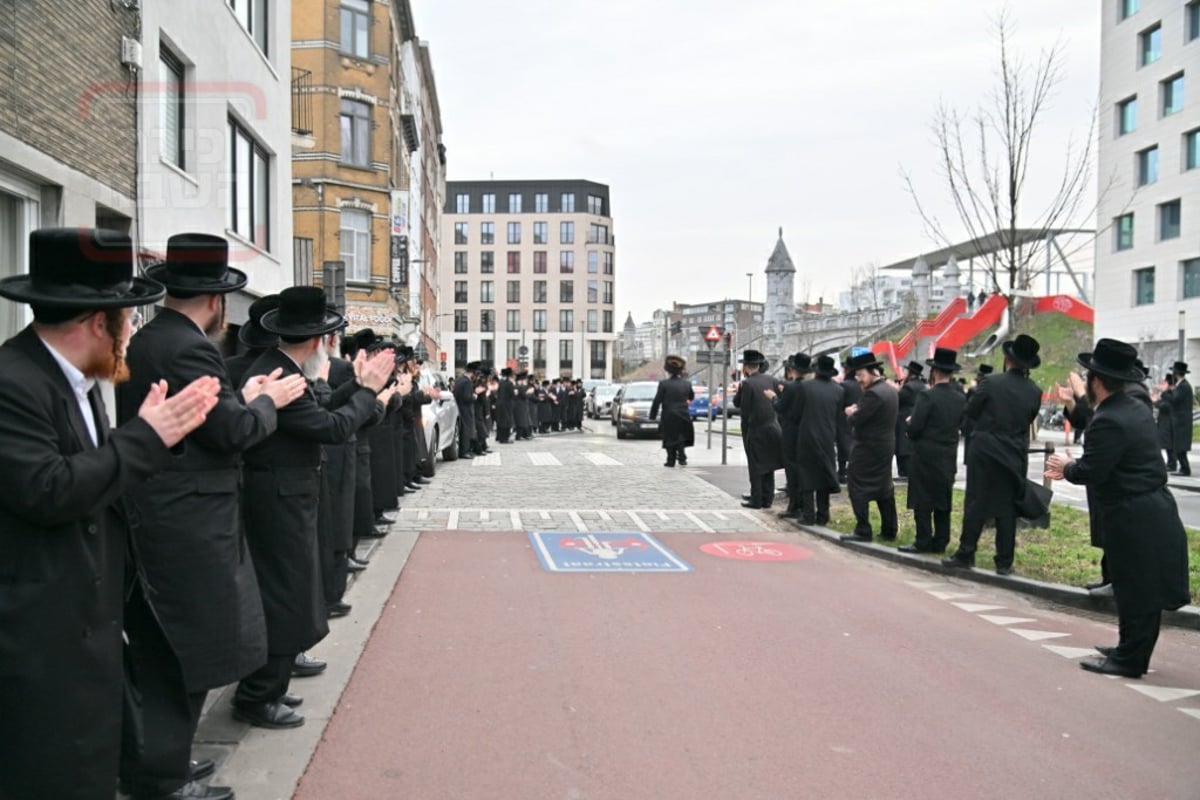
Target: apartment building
533, 278
1148, 250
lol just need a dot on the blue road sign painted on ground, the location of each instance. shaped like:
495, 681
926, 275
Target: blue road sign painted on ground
604, 552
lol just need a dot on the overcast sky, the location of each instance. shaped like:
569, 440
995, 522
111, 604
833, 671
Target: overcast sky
715, 123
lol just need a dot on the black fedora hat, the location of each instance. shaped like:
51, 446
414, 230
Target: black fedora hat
302, 313
1023, 351
826, 366
799, 362
1179, 368
985, 369
197, 263
80, 268
1113, 358
915, 368
865, 360
252, 334
365, 338
752, 357
945, 360
332, 309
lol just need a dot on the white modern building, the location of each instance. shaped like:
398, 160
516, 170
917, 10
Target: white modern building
1148, 249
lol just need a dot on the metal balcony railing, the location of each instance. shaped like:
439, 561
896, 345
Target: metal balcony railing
302, 104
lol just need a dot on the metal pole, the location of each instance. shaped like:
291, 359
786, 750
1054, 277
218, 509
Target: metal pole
1182, 335
725, 407
710, 397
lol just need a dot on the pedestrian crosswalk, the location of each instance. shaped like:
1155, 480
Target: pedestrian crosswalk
545, 459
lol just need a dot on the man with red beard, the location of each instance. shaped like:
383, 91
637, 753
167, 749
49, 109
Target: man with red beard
63, 524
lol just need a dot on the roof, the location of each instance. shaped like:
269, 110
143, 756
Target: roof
981, 246
780, 261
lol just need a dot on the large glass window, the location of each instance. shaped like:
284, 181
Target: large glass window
1172, 95
566, 203
566, 261
1123, 230
566, 233
1150, 45
356, 133
564, 354
593, 262
486, 349
462, 203
608, 292
608, 263
1143, 286
539, 320
487, 233
539, 262
1126, 8
539, 353
593, 292
460, 320
1191, 149
514, 292
171, 105
592, 321
599, 358
540, 235
252, 14
597, 234
566, 321
566, 291
539, 291
487, 321
1191, 277
460, 291
487, 291
1192, 22
1127, 116
514, 204
250, 187
541, 203
1147, 166
1169, 219
514, 232
511, 347
356, 28
460, 353
460, 262
595, 204
608, 322
489, 204
487, 262
513, 320
514, 262
460, 232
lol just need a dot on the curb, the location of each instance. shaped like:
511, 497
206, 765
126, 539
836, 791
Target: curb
1186, 617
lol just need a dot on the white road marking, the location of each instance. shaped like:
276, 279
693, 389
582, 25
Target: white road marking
452, 523
719, 516
545, 514
490, 460
975, 608
601, 460
1005, 620
515, 517
1163, 694
605, 516
544, 460
485, 515
1191, 712
924, 584
950, 595
1036, 636
1070, 652
422, 515
699, 522
750, 516
578, 520
643, 527
661, 516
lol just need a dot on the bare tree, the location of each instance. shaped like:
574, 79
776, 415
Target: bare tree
984, 158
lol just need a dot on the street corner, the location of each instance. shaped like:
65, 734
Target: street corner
613, 551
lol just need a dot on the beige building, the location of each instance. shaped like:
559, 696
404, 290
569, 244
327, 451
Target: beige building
1148, 249
528, 276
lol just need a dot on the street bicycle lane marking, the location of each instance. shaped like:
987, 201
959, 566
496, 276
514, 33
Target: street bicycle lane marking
604, 552
756, 551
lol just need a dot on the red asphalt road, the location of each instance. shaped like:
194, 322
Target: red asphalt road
488, 677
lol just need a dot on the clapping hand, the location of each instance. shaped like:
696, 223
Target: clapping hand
770, 393
377, 370
404, 384
173, 418
1056, 464
282, 391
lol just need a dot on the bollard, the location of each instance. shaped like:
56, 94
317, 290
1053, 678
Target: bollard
1047, 451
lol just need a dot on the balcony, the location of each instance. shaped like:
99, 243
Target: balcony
302, 109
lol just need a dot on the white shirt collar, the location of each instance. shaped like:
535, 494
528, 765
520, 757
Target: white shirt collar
80, 384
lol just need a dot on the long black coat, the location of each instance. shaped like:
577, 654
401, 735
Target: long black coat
1144, 540
339, 472
869, 474
851, 394
906, 399
464, 395
190, 540
672, 398
816, 460
789, 406
1182, 401
384, 467
1002, 408
521, 405
933, 430
282, 476
1166, 423
761, 434
63, 535
505, 401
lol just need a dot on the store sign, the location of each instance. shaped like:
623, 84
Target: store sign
377, 317
399, 262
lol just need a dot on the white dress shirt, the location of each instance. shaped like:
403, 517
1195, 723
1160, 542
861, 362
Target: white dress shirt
80, 385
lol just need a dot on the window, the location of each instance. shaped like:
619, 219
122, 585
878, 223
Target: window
1192, 23
1143, 286
354, 244
460, 320
564, 353
460, 291
170, 116
487, 262
608, 292
252, 14
487, 291
566, 261
460, 234
566, 321
539, 353
1172, 95
1191, 149
513, 319
540, 235
487, 232
250, 188
514, 292
460, 262
1147, 166
487, 321
356, 28
593, 292
356, 133
597, 234
566, 291
460, 353
566, 233
486, 352
599, 358
608, 321
539, 320
462, 203
514, 233
595, 204
541, 204
608, 263
592, 321
1126, 8
593, 262
514, 204
566, 203
1191, 277
514, 262
1150, 45
489, 204
539, 262
511, 348
1127, 116
1169, 215
539, 291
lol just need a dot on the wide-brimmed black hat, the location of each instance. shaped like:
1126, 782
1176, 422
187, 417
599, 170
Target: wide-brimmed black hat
252, 334
866, 360
1113, 358
1023, 351
331, 308
985, 369
752, 358
472, 366
197, 263
915, 368
1179, 368
302, 313
80, 268
799, 362
945, 360
826, 367
507, 372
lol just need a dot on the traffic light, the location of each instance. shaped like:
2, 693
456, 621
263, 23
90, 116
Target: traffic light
676, 328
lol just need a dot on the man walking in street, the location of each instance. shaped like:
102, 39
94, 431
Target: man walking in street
869, 474
816, 460
505, 399
672, 398
1182, 403
464, 396
760, 429
789, 406
914, 385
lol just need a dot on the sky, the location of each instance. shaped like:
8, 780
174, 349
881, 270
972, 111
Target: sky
715, 124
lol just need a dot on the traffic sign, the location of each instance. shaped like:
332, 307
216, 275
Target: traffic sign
713, 334
522, 350
712, 357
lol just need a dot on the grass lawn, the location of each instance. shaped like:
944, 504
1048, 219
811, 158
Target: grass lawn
1061, 553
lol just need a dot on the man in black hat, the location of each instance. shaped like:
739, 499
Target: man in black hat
283, 475
520, 406
761, 434
464, 396
869, 474
505, 398
1003, 408
672, 398
189, 539
1182, 406
914, 384
816, 460
933, 429
789, 408
1144, 540
63, 521
252, 339
851, 394
1166, 421
968, 424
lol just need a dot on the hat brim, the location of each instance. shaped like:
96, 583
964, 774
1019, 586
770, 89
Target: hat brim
1132, 375
233, 280
871, 365
1031, 363
942, 367
141, 292
252, 335
328, 323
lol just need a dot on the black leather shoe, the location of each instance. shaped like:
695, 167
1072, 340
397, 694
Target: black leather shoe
412, 487
385, 519
355, 565
338, 609
421, 480
683, 462
1105, 651
912, 548
954, 562
1004, 570
192, 790
748, 504
465, 455
267, 715
854, 537
1106, 666
199, 770
291, 700
669, 464
747, 497
1096, 585
305, 666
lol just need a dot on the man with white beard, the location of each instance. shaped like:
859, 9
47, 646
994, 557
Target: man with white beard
282, 486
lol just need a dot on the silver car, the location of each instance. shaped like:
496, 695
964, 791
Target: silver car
440, 421
633, 418
600, 399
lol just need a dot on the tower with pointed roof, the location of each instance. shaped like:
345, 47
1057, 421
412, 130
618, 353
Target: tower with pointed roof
780, 307
629, 356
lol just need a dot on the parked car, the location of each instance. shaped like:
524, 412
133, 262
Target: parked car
614, 410
634, 415
699, 406
599, 401
718, 399
440, 421
592, 383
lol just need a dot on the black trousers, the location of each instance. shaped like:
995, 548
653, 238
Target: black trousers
364, 506
762, 489
1006, 539
1184, 467
902, 465
933, 529
466, 434
813, 507
268, 683
335, 574
160, 715
1138, 633
1171, 462
676, 454
793, 487
481, 433
503, 432
888, 524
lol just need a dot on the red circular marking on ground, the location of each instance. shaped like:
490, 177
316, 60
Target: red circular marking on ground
756, 551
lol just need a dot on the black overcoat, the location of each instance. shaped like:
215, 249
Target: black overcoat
672, 398
1144, 540
869, 474
1166, 424
339, 470
851, 393
189, 539
1002, 409
1182, 401
282, 475
789, 406
816, 463
933, 430
63, 536
504, 403
464, 396
761, 435
521, 405
381, 436
906, 399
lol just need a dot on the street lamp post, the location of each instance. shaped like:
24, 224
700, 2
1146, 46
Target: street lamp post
750, 291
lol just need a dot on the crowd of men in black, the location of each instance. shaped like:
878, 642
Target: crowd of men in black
516, 404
